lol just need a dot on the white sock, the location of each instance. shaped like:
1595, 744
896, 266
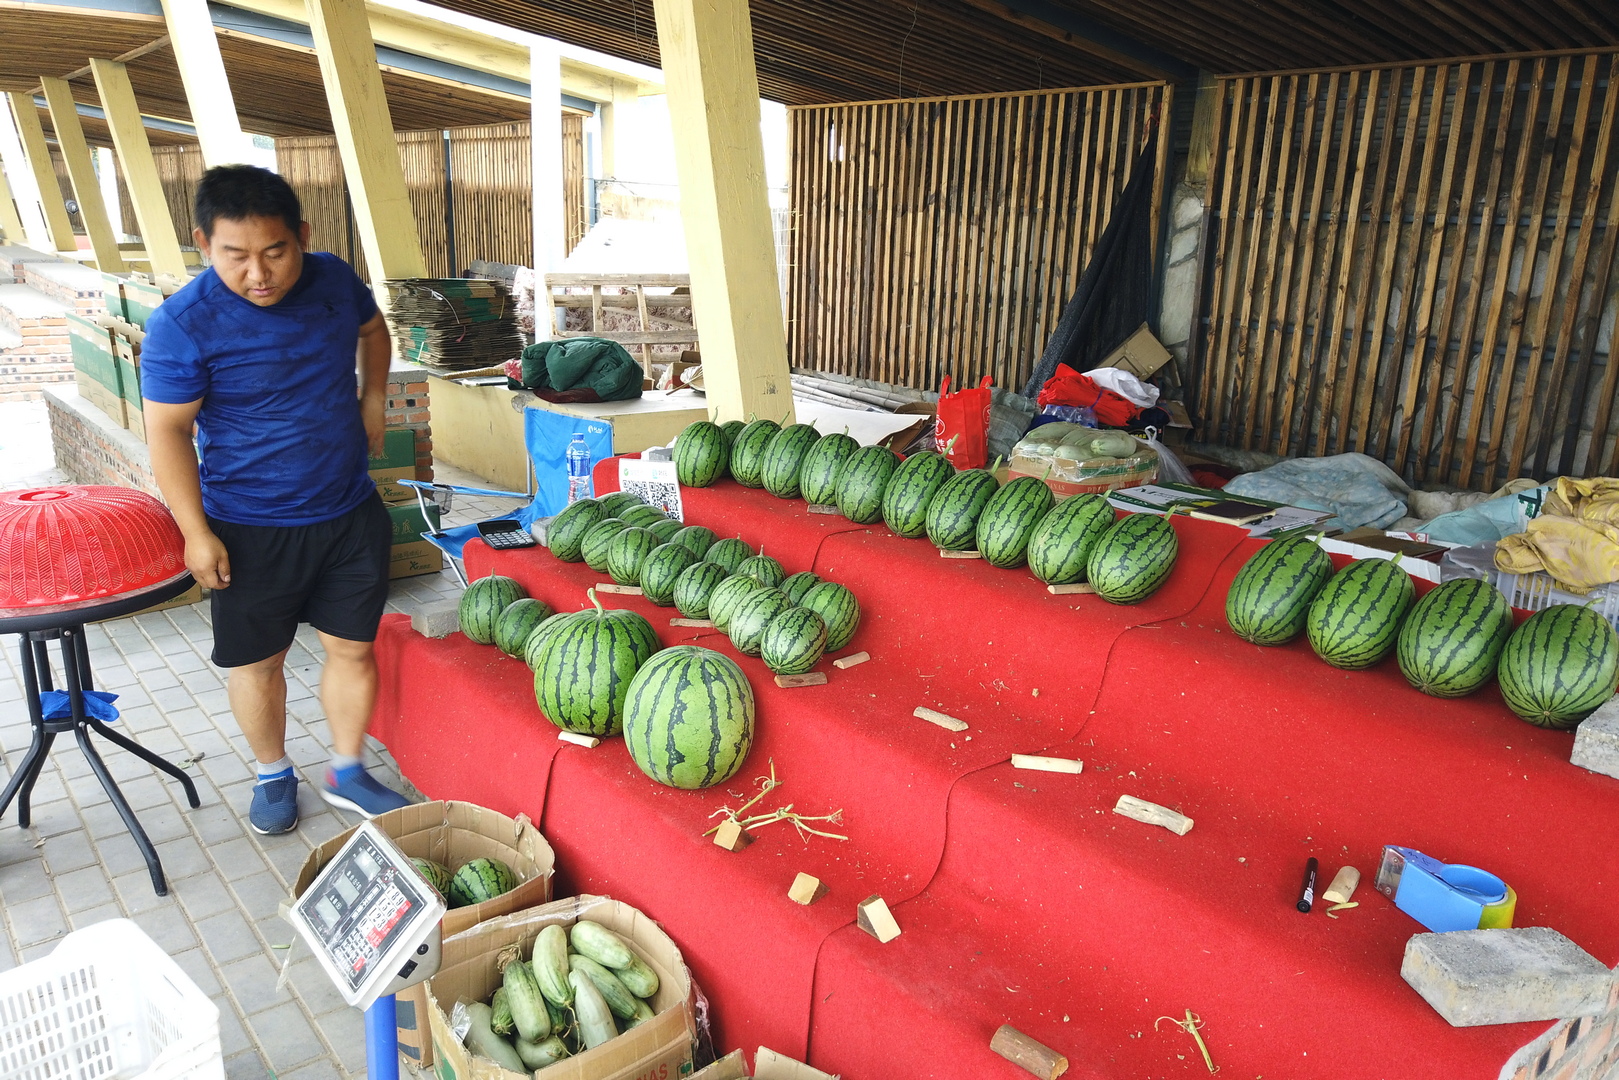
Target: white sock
274, 768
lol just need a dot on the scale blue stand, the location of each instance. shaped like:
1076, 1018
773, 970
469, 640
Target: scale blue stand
382, 1039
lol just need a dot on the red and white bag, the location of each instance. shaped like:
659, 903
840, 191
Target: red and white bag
961, 427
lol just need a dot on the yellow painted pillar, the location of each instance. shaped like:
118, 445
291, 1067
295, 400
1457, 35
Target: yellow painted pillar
58, 224
707, 53
365, 139
23, 189
545, 142
81, 173
616, 127
208, 92
152, 215
10, 220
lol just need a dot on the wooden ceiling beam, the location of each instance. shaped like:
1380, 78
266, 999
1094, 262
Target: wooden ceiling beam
124, 58
1087, 36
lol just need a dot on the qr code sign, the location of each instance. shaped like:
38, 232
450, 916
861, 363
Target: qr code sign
655, 483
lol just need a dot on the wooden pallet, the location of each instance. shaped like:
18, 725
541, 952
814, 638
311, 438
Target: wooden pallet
629, 294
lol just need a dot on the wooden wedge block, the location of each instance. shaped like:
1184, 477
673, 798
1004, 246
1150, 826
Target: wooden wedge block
705, 624
806, 889
810, 678
949, 723
844, 663
1027, 1053
1344, 884
1047, 764
1153, 814
1081, 588
621, 590
947, 554
874, 918
732, 837
820, 508
589, 742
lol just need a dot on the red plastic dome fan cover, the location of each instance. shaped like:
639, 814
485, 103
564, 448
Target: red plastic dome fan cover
73, 545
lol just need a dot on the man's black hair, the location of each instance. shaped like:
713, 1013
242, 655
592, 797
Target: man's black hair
238, 192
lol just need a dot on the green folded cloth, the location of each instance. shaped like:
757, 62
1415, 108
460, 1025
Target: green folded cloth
571, 365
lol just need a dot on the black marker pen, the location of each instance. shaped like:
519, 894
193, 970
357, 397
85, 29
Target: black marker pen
1307, 894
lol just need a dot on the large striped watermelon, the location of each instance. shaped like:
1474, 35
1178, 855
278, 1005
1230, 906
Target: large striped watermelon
479, 880
1270, 597
793, 641
728, 554
665, 530
911, 490
784, 457
763, 569
542, 634
694, 586
952, 521
701, 454
520, 619
596, 542
818, 477
727, 595
688, 717
1133, 558
749, 618
437, 874
567, 530
586, 667
662, 569
862, 481
838, 608
1010, 518
1452, 640
1062, 542
748, 452
643, 516
696, 538
482, 604
616, 502
1559, 666
627, 552
1355, 618
796, 586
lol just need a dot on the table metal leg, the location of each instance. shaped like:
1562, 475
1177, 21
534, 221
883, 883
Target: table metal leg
131, 822
149, 757
22, 780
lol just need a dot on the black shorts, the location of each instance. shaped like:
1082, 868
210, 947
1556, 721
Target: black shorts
333, 576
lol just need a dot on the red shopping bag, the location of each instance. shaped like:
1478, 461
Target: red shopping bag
961, 428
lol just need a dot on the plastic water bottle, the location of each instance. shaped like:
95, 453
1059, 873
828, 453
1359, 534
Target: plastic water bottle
578, 457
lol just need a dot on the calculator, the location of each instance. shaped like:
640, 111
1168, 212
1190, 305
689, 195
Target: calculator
505, 533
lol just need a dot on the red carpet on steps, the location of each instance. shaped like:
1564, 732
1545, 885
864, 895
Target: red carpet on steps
1023, 899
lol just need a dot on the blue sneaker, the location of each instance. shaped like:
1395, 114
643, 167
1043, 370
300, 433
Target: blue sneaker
354, 789
275, 804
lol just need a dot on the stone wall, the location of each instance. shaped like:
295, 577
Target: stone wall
1583, 1049
408, 408
1178, 299
92, 449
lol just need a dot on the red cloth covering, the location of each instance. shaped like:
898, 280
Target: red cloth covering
1022, 898
1069, 387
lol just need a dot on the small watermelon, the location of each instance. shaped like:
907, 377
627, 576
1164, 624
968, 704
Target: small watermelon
796, 586
1452, 640
480, 880
1559, 666
616, 502
729, 554
1062, 542
540, 635
627, 552
587, 665
482, 604
910, 491
723, 601
862, 481
784, 457
596, 542
1133, 558
567, 530
748, 620
694, 586
437, 875
732, 430
1269, 599
748, 452
696, 538
665, 530
838, 608
763, 569
818, 476
952, 522
793, 641
1355, 619
662, 569
701, 453
1010, 518
642, 516
520, 619
688, 718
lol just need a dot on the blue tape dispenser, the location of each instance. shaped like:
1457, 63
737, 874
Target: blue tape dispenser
1444, 896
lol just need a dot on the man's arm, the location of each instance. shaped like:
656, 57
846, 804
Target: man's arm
174, 463
374, 354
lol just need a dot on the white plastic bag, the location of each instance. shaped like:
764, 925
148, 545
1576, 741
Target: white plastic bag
1171, 469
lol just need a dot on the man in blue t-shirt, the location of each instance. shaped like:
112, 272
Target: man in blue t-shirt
281, 520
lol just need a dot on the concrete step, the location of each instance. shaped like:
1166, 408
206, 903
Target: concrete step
75, 287
23, 307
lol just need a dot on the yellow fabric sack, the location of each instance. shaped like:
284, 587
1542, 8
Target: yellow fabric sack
1596, 499
1580, 555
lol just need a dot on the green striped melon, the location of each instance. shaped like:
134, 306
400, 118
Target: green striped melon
862, 481
567, 530
586, 667
793, 641
482, 604
1559, 666
665, 530
696, 538
818, 477
1355, 619
784, 457
748, 452
763, 569
728, 554
627, 552
1062, 542
701, 454
540, 635
437, 874
480, 880
643, 516
520, 619
616, 502
596, 542
727, 595
952, 521
1133, 558
662, 569
694, 586
1452, 640
749, 618
688, 718
1009, 520
838, 608
796, 586
731, 429
911, 490
1269, 599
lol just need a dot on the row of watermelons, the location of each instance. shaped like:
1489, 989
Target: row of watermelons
1080, 539
1553, 671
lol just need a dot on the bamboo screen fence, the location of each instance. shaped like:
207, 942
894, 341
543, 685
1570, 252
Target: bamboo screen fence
1417, 263
944, 236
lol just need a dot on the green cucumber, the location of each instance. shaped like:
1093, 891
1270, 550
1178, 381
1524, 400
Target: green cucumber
550, 965
596, 1024
600, 944
638, 978
619, 999
523, 998
643, 1013
481, 1039
539, 1055
500, 1012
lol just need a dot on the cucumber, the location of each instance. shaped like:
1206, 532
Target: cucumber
500, 1013
638, 978
550, 965
523, 998
600, 944
643, 1013
481, 1039
596, 1024
620, 1000
539, 1055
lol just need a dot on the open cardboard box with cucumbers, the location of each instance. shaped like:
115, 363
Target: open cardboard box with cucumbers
767, 1065
660, 1047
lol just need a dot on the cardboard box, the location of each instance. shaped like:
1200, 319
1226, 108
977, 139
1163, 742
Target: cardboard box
412, 556
112, 291
661, 1047
1140, 355
95, 364
397, 462
141, 298
769, 1065
729, 1067
453, 833
126, 344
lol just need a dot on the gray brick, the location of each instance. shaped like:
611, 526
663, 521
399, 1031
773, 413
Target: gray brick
228, 936
200, 680
287, 1037
70, 851
346, 1032
188, 720
56, 818
168, 927
49, 786
80, 919
253, 982
316, 1070
35, 921
174, 699
117, 676
148, 791
1475, 977
87, 790
216, 822
436, 621
1596, 741
213, 702
135, 892
83, 889
120, 856
204, 895
260, 896
316, 988
143, 718
24, 881
247, 1066
143, 660
237, 859
182, 858
233, 1032
198, 968
183, 660
287, 861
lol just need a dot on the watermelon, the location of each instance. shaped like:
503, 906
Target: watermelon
520, 619
1559, 666
1010, 518
696, 538
748, 452
1452, 640
784, 457
729, 554
1269, 599
688, 717
642, 516
723, 601
838, 608
952, 520
627, 552
586, 667
665, 530
694, 586
763, 569
818, 476
793, 641
731, 429
911, 489
540, 635
749, 618
480, 880
701, 453
596, 542
1132, 558
861, 483
661, 569
567, 530
796, 586
1062, 542
616, 502
437, 875
1355, 619
482, 604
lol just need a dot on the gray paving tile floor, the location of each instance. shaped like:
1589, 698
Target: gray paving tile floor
76, 864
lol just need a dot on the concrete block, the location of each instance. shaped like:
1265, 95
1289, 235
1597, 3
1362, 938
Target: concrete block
1476, 977
437, 621
1596, 741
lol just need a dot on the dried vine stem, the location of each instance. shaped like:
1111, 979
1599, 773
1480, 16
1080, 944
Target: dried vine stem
767, 784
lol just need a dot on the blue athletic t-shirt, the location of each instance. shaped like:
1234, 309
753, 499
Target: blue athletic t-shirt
279, 431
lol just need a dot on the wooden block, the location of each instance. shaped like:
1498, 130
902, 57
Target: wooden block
587, 741
818, 508
1344, 884
1047, 764
812, 678
1027, 1053
1153, 814
874, 918
621, 590
806, 889
944, 554
844, 663
706, 624
1082, 589
732, 837
949, 723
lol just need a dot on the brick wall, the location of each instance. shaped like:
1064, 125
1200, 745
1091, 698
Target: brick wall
1582, 1049
81, 296
90, 448
407, 408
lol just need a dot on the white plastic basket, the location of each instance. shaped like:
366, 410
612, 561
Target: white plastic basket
1538, 591
106, 1003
